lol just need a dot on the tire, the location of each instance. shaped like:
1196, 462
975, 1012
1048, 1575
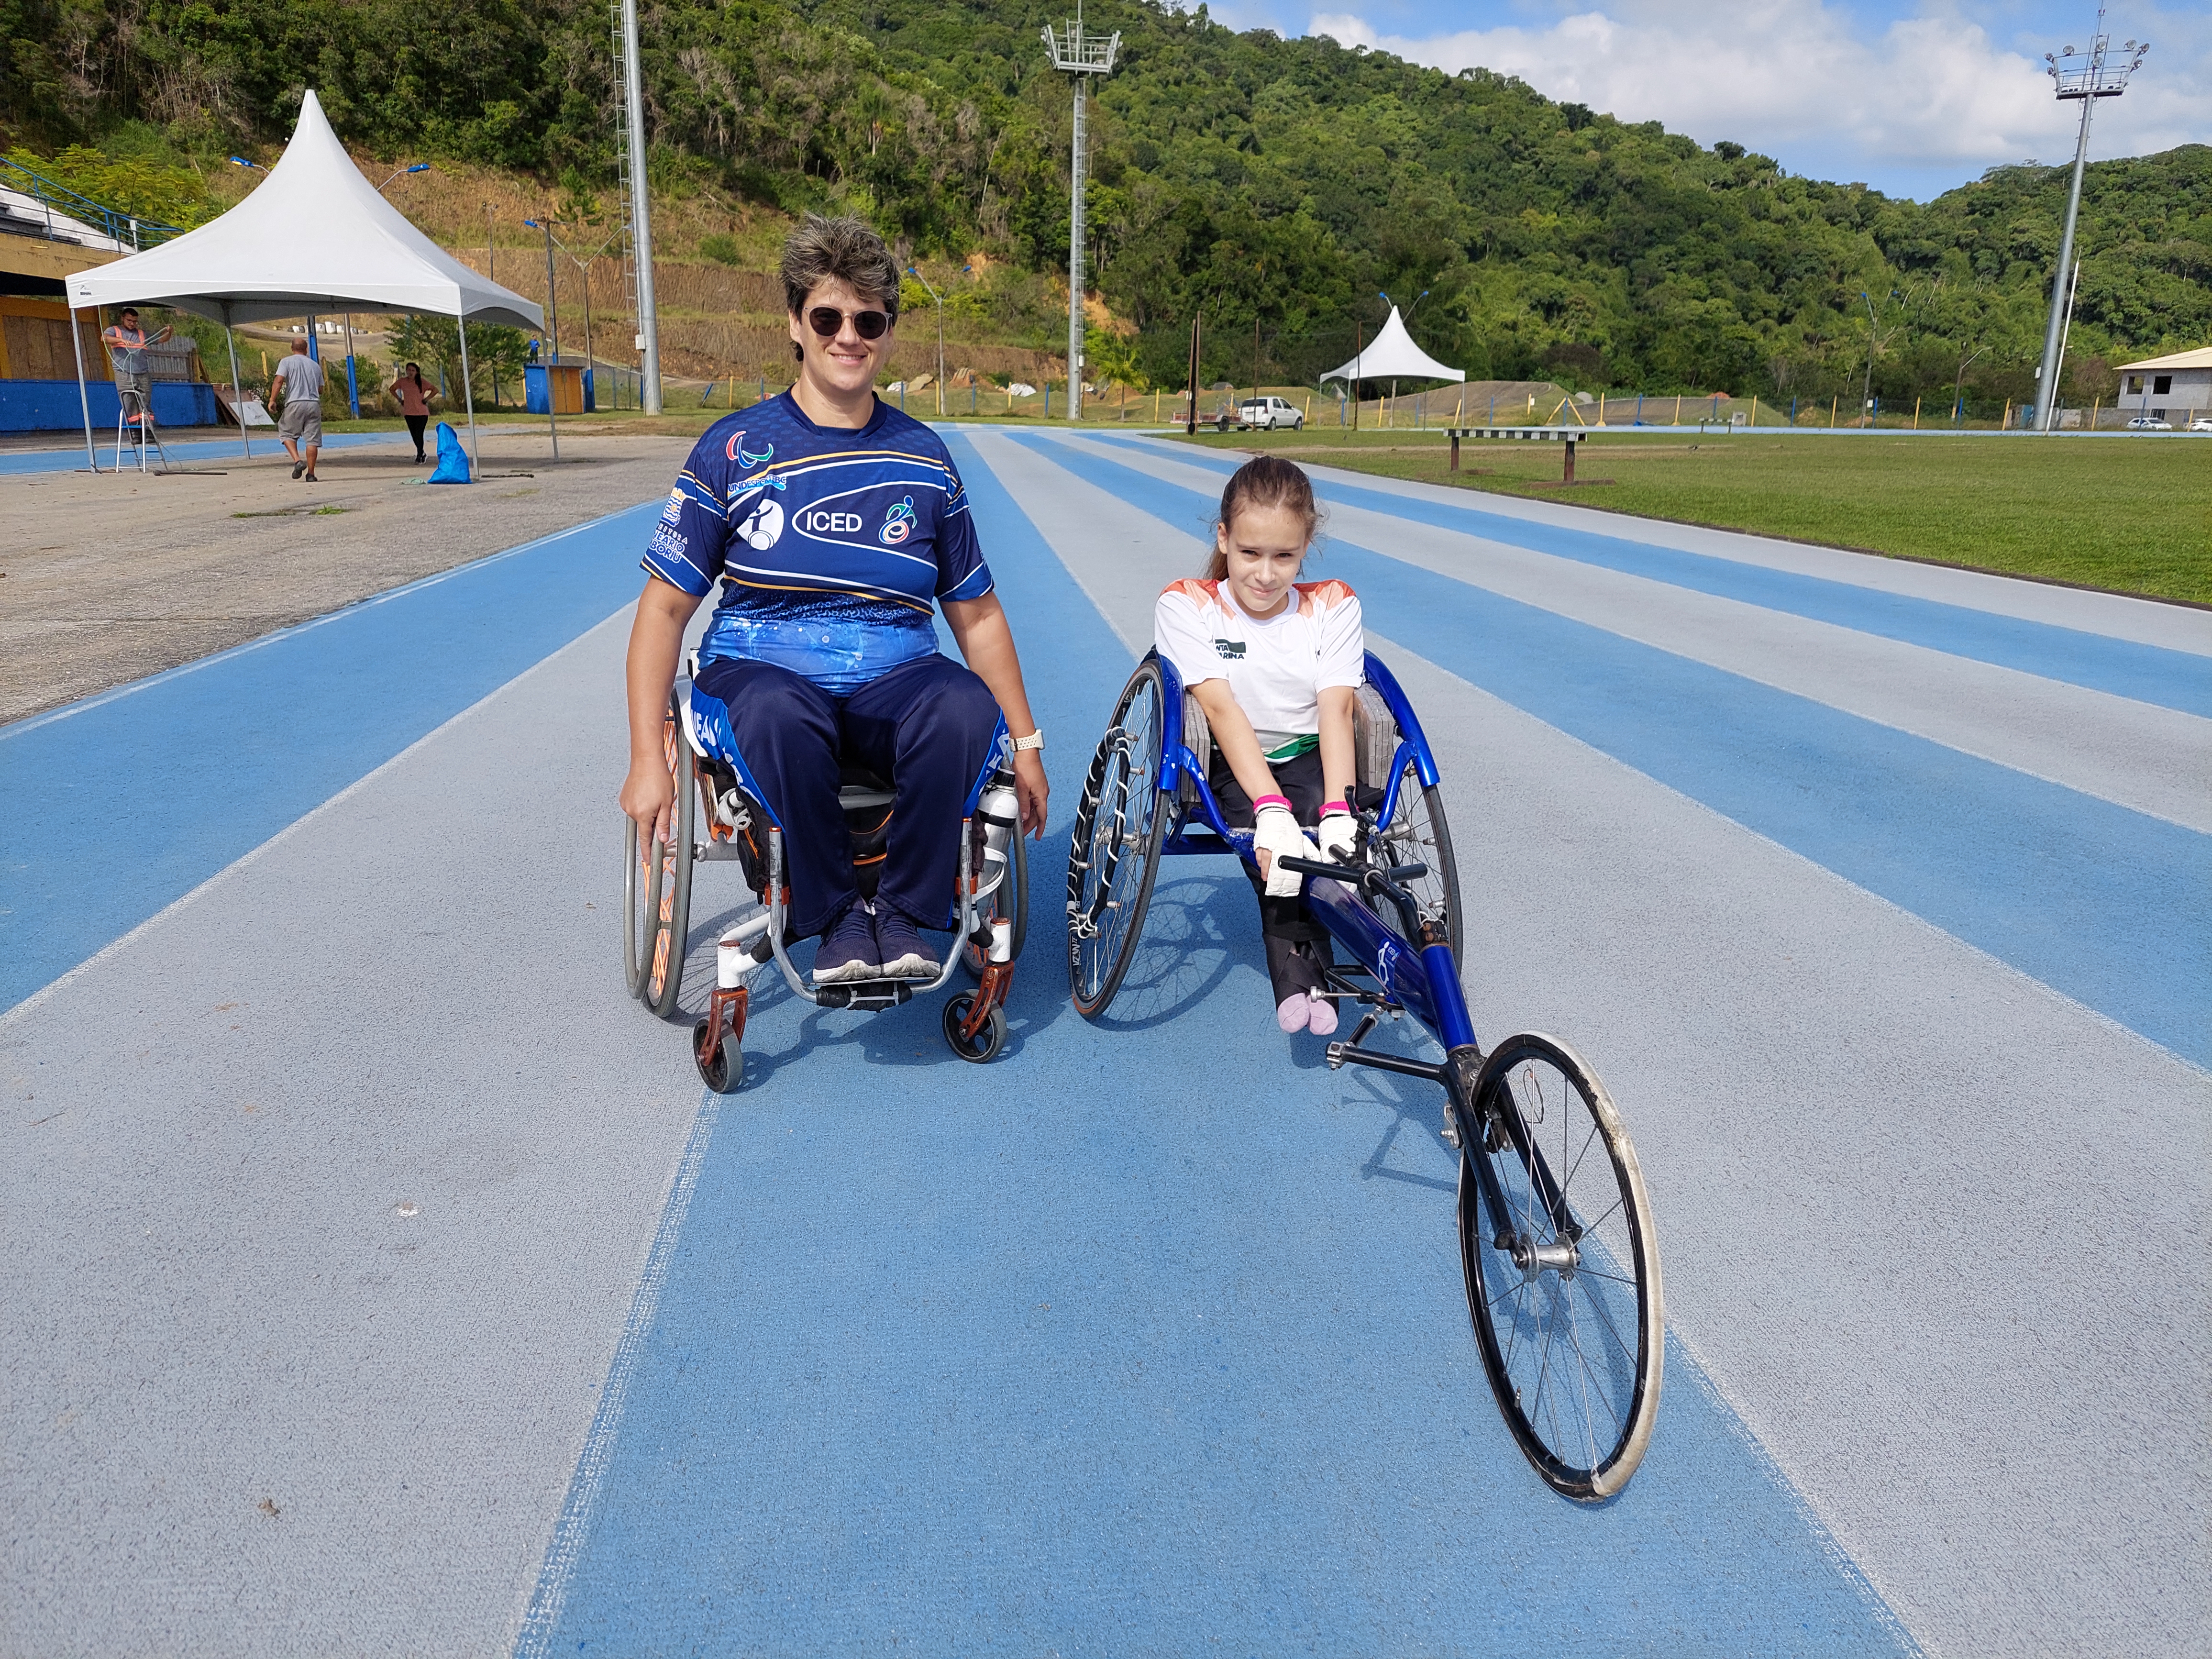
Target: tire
971, 954
988, 1041
1574, 1348
641, 900
727, 1071
1114, 854
1418, 833
668, 918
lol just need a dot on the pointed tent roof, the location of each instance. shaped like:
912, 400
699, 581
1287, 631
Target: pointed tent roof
1392, 353
315, 237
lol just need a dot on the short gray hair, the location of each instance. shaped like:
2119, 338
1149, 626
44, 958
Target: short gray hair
845, 250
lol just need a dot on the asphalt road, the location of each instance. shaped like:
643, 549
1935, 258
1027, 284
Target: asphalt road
383, 1280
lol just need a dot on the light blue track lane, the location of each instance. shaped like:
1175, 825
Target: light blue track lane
2148, 673
17, 463
118, 804
1145, 1340
2110, 907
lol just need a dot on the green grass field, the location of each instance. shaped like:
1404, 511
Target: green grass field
2132, 516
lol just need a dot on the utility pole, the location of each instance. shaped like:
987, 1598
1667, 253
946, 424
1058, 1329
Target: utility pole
1079, 55
917, 276
1190, 424
641, 214
2093, 77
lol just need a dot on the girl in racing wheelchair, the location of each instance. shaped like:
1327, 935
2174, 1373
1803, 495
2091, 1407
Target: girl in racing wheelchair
1275, 664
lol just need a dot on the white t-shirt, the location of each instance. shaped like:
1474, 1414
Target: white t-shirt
302, 376
1276, 669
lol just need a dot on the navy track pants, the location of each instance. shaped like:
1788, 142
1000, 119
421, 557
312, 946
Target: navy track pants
927, 725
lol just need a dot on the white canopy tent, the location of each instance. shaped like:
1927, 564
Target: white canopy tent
1392, 355
315, 237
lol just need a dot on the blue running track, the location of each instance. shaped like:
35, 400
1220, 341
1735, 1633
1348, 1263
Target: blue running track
393, 1287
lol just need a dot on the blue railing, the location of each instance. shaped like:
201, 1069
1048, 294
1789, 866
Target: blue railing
130, 231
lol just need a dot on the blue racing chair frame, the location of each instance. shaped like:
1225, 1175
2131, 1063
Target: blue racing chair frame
1562, 1268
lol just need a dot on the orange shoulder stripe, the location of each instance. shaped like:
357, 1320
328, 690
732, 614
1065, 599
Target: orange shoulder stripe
1193, 589
1314, 597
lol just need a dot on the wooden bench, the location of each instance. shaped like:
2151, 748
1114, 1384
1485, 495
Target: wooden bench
1553, 434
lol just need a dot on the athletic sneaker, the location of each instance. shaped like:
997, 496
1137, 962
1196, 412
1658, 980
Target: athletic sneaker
848, 948
904, 955
298, 467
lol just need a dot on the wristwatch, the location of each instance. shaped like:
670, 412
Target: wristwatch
1035, 740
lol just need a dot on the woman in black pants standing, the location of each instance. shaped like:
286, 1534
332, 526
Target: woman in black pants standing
414, 404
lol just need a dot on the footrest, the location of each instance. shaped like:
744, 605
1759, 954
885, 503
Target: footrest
867, 996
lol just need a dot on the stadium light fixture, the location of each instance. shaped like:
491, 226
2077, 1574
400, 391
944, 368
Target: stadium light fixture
1077, 54
251, 167
416, 167
2084, 76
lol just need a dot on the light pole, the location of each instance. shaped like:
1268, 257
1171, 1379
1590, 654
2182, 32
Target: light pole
416, 167
2093, 77
553, 312
940, 303
1076, 54
641, 214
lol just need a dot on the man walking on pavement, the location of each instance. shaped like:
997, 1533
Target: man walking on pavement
300, 423
134, 374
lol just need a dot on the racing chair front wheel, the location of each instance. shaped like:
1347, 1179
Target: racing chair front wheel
1562, 1268
657, 888
1114, 853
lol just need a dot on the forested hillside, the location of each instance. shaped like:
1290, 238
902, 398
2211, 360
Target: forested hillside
1277, 183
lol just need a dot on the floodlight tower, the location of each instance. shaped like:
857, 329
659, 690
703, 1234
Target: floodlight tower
2085, 76
1079, 55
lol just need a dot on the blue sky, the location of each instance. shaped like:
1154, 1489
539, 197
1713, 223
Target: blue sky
1913, 98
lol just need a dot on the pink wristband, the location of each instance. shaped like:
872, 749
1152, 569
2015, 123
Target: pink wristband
1328, 807
1265, 801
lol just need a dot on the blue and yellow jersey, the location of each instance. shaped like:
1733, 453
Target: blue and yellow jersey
833, 547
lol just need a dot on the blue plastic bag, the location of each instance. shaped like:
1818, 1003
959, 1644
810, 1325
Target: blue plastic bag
452, 465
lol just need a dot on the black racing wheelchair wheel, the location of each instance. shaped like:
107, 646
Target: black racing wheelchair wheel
1562, 1268
657, 889
1114, 854
972, 955
1417, 834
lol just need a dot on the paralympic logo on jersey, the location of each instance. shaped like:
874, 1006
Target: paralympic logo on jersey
736, 450
898, 523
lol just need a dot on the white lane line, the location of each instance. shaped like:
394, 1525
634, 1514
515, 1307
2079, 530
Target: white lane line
2138, 755
539, 1615
2116, 616
101, 700
230, 872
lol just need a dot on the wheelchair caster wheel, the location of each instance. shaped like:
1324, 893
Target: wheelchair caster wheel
986, 1043
726, 1070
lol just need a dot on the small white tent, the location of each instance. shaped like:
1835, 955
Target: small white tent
1392, 355
315, 237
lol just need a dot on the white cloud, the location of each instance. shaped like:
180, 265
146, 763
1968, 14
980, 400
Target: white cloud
1793, 78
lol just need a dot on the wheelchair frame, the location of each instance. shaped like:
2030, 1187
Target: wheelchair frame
1519, 1222
974, 1023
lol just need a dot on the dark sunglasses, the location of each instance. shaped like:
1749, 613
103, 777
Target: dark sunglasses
826, 320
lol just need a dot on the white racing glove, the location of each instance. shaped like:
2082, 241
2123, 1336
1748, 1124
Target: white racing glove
1339, 833
1275, 832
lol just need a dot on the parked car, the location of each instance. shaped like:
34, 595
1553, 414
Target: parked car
2202, 423
2149, 423
1267, 414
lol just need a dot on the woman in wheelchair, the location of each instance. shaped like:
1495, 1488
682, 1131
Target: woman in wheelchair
835, 526
1276, 664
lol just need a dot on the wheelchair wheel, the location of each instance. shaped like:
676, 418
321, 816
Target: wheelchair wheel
1114, 853
984, 1046
666, 916
971, 954
640, 903
1562, 1268
1417, 834
726, 1070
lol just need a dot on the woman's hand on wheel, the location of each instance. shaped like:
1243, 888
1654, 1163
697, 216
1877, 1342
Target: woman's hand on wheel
648, 799
1031, 786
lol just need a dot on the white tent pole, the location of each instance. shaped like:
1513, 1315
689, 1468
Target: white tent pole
469, 393
83, 397
237, 396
